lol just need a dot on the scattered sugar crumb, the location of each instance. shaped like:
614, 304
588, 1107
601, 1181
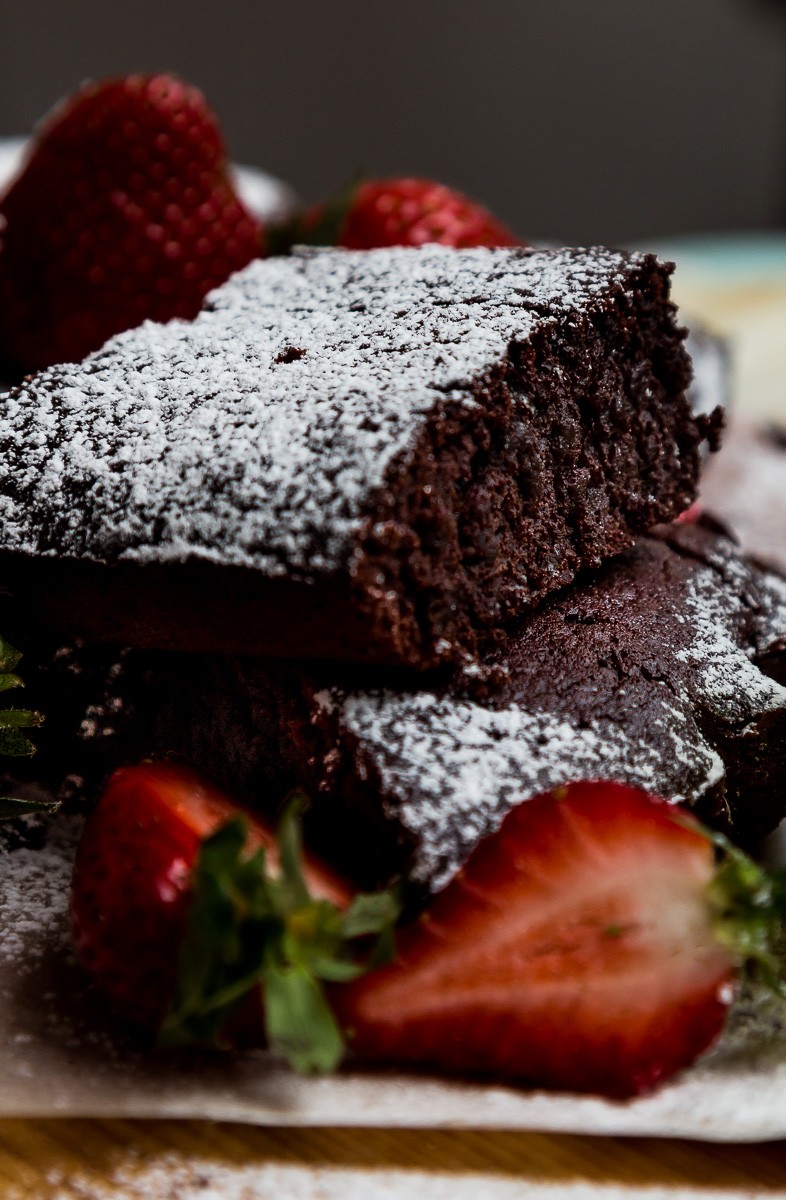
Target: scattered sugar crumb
172, 1177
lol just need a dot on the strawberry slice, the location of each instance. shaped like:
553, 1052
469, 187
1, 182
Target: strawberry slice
125, 210
403, 212
185, 910
591, 944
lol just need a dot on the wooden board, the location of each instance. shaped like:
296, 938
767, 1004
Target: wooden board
61, 1159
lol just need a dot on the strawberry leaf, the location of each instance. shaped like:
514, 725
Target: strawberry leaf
254, 937
8, 658
11, 807
13, 742
750, 907
19, 718
299, 1021
290, 850
370, 914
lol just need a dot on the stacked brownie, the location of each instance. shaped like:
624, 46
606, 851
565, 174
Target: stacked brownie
393, 526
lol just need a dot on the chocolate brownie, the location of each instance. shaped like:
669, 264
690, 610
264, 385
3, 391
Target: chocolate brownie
667, 670
746, 486
651, 673
381, 456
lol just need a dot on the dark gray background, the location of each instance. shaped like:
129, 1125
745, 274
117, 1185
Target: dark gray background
581, 120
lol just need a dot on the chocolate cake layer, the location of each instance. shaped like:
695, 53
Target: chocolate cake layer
666, 670
381, 456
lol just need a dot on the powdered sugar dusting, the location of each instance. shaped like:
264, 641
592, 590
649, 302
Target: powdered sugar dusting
776, 591
683, 690
733, 686
255, 434
174, 1176
475, 763
34, 896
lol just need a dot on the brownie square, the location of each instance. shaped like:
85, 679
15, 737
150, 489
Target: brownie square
380, 457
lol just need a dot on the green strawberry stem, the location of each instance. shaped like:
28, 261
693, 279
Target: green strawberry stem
317, 227
251, 932
750, 907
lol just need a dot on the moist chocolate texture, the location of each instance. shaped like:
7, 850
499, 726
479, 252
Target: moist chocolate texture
382, 456
666, 669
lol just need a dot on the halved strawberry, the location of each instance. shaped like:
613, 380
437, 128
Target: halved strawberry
590, 944
185, 910
125, 210
403, 212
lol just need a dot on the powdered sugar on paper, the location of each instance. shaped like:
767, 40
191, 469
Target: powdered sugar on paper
174, 1176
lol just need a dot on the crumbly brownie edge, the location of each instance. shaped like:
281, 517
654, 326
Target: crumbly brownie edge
378, 763
581, 439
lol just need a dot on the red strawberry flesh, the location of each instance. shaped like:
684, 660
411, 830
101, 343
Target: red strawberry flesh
575, 950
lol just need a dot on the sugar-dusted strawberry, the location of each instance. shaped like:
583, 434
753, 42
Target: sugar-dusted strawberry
186, 911
124, 210
591, 944
403, 212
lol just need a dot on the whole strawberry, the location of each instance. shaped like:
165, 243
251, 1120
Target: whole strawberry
404, 212
187, 911
124, 211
